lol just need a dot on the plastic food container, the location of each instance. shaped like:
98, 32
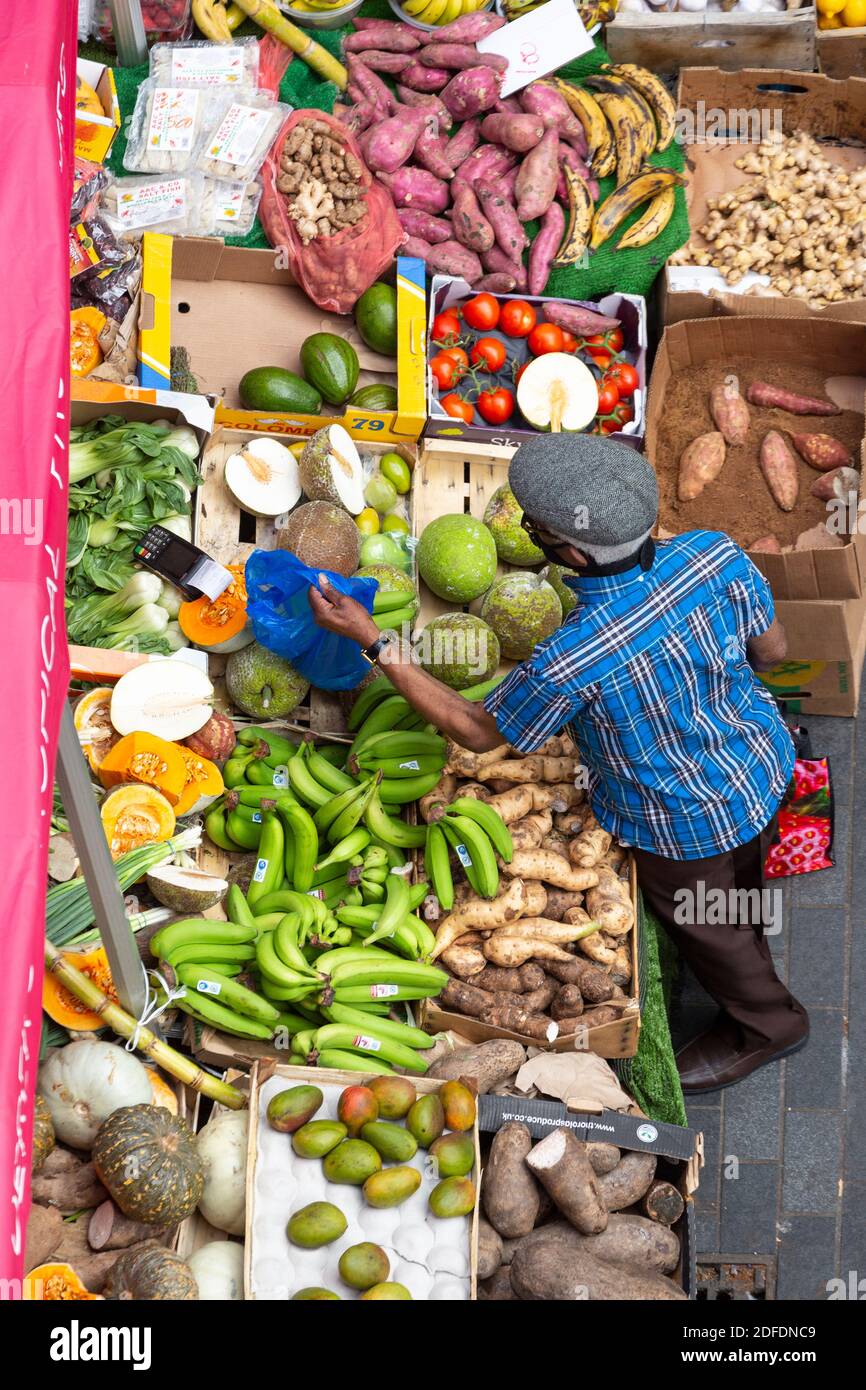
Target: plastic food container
164, 21
416, 23
197, 64
321, 19
175, 206
167, 126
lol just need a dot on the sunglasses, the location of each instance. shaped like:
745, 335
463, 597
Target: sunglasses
538, 534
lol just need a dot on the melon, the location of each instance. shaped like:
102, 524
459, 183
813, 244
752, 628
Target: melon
557, 392
457, 557
503, 516
171, 699
458, 649
330, 469
189, 892
523, 609
323, 536
262, 477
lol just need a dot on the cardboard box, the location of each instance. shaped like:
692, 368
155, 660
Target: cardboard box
835, 349
824, 665
94, 135
446, 291
834, 111
233, 309
90, 399
842, 52
664, 42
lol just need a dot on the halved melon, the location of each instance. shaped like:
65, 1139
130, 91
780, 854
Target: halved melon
92, 719
61, 1005
219, 625
203, 783
262, 477
557, 392
147, 758
169, 698
55, 1282
133, 815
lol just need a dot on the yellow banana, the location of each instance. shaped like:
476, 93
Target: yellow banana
653, 90
627, 133
626, 198
210, 18
654, 220
599, 140
433, 12
580, 210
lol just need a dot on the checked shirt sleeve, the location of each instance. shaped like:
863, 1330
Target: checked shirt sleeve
763, 608
528, 710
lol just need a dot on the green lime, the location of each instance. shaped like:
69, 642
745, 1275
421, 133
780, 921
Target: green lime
394, 522
395, 468
367, 521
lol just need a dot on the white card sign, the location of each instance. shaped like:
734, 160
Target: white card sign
538, 43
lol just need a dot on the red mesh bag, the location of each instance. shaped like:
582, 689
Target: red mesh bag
333, 271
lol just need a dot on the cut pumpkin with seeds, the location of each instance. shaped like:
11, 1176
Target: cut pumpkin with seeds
204, 783
147, 758
92, 719
219, 625
61, 1005
55, 1282
134, 815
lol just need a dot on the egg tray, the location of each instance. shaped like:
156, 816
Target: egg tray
434, 1258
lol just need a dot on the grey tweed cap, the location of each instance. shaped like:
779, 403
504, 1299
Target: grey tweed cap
600, 495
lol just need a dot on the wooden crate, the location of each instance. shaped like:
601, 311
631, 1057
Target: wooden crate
664, 42
611, 1040
842, 52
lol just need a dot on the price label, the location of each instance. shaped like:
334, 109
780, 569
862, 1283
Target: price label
383, 991
464, 856
412, 765
281, 776
366, 1044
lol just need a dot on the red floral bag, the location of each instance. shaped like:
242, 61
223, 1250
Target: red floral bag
805, 833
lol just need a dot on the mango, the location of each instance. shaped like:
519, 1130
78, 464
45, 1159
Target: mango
317, 1138
454, 1155
391, 1187
426, 1120
452, 1197
314, 1294
396, 1096
362, 1266
458, 1103
390, 1292
290, 1109
316, 1225
357, 1107
352, 1162
391, 1142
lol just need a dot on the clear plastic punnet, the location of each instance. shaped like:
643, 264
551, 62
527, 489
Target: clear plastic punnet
167, 126
176, 205
235, 143
232, 205
203, 64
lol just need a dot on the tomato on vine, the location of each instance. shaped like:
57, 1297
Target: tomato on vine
607, 397
457, 408
446, 326
488, 354
545, 337
496, 406
569, 342
482, 312
446, 371
610, 339
517, 318
625, 378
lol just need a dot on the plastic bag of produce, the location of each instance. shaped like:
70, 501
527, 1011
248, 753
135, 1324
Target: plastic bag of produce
335, 225
279, 610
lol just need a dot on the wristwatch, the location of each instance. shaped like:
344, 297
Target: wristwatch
371, 653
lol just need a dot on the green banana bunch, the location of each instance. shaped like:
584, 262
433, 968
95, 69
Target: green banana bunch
347, 848
384, 1027
301, 848
352, 1039
395, 909
228, 993
350, 817
437, 865
475, 852
411, 973
371, 696
303, 783
199, 931
382, 719
388, 830
490, 821
268, 873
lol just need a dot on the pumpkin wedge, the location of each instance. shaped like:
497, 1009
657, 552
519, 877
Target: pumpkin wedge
133, 815
62, 1006
146, 758
219, 625
204, 783
55, 1282
92, 719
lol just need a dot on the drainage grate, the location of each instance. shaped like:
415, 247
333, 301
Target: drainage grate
727, 1279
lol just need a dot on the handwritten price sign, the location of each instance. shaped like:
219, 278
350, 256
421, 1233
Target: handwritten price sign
538, 43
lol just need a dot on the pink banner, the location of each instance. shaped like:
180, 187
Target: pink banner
37, 86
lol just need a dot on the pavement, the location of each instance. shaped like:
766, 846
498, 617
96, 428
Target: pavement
785, 1173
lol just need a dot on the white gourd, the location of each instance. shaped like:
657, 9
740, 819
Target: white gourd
219, 1271
85, 1082
222, 1147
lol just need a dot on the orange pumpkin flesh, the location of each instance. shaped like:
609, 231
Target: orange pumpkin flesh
55, 1282
133, 815
210, 623
162, 1092
63, 1007
145, 758
85, 326
92, 719
204, 779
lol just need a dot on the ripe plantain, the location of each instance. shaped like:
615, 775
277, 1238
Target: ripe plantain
653, 221
653, 90
580, 210
624, 200
599, 139
628, 135
642, 113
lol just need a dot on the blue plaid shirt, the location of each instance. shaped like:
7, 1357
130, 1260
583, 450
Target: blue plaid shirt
686, 752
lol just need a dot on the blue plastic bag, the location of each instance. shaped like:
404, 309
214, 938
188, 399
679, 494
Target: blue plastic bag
279, 610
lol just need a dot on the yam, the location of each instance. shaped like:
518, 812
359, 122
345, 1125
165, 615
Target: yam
44, 1230
609, 902
534, 768
663, 1204
629, 1181
503, 949
489, 1249
72, 1187
546, 930
549, 1267
498, 1288
466, 962
483, 1067
560, 901
551, 869
465, 998
468, 764
509, 1194
567, 1004
557, 797
503, 1013
590, 1018
109, 1229
539, 1000
589, 847
603, 1157
569, 822
595, 986
561, 1165
532, 831
446, 788
480, 913
499, 980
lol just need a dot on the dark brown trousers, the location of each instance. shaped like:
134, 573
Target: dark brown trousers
722, 938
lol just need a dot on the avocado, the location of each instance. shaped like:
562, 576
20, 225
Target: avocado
275, 388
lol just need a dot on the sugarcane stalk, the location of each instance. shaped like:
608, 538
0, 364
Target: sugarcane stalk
234, 16
268, 17
180, 1067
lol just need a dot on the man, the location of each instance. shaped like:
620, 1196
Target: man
653, 672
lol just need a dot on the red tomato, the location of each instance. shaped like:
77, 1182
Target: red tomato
546, 337
496, 406
446, 326
607, 397
458, 357
457, 408
488, 354
601, 359
445, 370
482, 312
517, 318
626, 378
610, 339
569, 342
623, 412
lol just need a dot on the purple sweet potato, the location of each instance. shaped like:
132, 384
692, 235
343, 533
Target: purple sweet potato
416, 246
369, 84
570, 159
417, 188
469, 93
509, 105
422, 79
430, 147
357, 117
519, 133
509, 233
536, 183
465, 139
383, 34
577, 320
840, 483
760, 393
544, 101
429, 101
422, 224
497, 263
487, 164
496, 283
469, 28
450, 258
359, 97
459, 55
389, 144
577, 141
471, 227
544, 247
380, 60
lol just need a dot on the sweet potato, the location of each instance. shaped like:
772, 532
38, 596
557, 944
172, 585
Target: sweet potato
389, 144
570, 159
701, 462
578, 320
428, 100
841, 482
603, 1157
561, 1165
590, 846
767, 545
629, 1181
484, 1066
497, 263
730, 413
609, 903
568, 1003
501, 948
497, 980
468, 28
551, 869
779, 468
520, 133
487, 164
541, 100
822, 451
383, 34
545, 245
421, 79
547, 1269
496, 283
471, 227
489, 1250
450, 258
417, 188
535, 188
465, 139
663, 1204
760, 393
501, 214
472, 91
459, 56
429, 149
466, 962
379, 60
509, 1194
477, 912
369, 84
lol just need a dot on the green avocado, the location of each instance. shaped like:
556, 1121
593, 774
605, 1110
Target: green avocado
274, 388
376, 318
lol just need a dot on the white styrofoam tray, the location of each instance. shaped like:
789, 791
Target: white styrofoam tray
431, 1257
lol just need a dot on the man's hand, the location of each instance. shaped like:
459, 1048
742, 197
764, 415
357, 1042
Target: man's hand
338, 613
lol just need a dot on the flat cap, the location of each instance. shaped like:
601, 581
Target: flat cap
589, 488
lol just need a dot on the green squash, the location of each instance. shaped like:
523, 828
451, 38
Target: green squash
150, 1272
43, 1133
148, 1161
376, 318
331, 365
377, 396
